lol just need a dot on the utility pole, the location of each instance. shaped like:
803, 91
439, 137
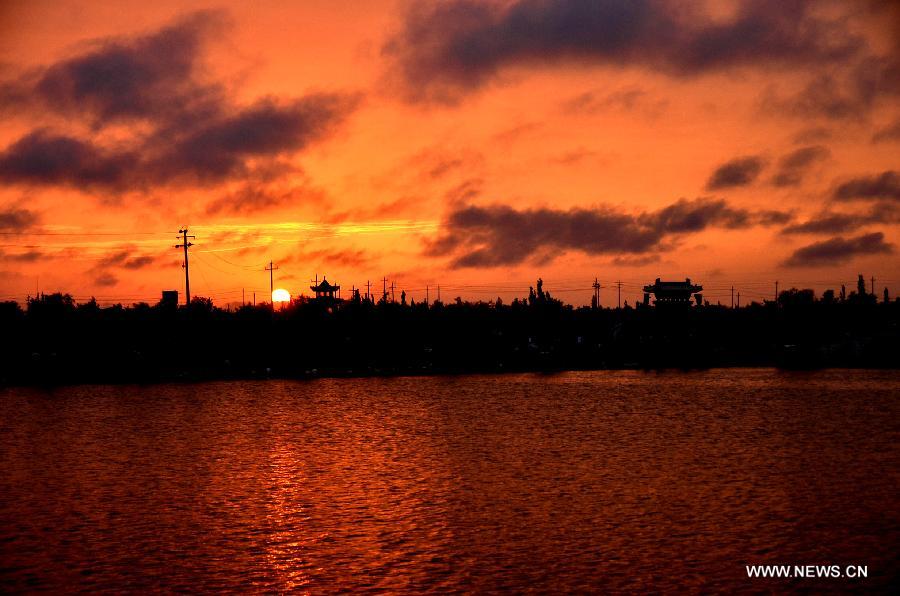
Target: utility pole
739, 300
271, 269
596, 286
384, 288
254, 298
243, 298
732, 296
187, 278
619, 284
392, 292
368, 288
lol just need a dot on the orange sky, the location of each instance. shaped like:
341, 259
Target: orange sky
475, 146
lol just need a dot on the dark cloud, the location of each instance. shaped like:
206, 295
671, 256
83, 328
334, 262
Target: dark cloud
837, 250
29, 256
449, 48
125, 259
44, 158
191, 132
500, 235
220, 147
793, 166
740, 171
849, 94
829, 222
823, 96
885, 185
152, 76
14, 219
699, 214
209, 153
891, 132
772, 217
138, 262
106, 280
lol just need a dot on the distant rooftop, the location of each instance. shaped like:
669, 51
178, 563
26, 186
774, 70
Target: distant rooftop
673, 291
324, 287
325, 290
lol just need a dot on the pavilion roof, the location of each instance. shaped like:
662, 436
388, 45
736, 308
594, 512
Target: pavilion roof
663, 287
324, 286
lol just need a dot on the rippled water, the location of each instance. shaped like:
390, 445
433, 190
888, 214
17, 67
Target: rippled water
597, 481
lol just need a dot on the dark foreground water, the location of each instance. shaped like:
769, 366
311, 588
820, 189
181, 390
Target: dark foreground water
597, 481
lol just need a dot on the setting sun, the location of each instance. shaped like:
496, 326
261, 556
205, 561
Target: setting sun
281, 295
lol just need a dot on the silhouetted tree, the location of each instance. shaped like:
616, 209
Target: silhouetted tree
796, 298
10, 310
89, 306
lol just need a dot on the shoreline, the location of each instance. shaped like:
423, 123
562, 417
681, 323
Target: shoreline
314, 374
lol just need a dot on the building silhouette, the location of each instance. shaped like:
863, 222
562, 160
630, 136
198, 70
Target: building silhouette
326, 291
169, 300
673, 293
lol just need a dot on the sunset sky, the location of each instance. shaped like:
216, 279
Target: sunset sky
475, 145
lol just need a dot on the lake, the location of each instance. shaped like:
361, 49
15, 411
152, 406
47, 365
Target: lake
584, 481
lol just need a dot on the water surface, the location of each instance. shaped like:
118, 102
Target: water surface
596, 481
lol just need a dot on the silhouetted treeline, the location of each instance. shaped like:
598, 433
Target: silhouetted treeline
54, 340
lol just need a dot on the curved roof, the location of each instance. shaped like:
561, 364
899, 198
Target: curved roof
324, 286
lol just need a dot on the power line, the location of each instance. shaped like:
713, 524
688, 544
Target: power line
224, 260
